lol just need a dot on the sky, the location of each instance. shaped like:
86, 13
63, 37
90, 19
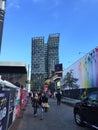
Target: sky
75, 20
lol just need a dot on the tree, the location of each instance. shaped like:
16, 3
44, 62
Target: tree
31, 85
70, 81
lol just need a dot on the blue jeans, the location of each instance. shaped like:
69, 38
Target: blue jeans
42, 112
35, 110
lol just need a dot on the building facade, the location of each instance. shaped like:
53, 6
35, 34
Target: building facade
38, 62
44, 57
14, 72
2, 12
53, 53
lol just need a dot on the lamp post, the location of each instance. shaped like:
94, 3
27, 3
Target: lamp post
80, 52
28, 79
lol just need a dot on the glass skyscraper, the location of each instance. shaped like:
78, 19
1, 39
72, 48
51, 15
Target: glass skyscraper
44, 57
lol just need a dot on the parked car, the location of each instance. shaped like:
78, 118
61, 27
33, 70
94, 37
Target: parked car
86, 111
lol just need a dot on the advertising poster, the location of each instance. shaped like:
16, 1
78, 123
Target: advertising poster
22, 99
11, 106
16, 104
4, 106
25, 97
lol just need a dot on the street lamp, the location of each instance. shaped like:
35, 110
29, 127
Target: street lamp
81, 52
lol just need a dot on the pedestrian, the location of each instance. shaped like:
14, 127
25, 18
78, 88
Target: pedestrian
46, 96
58, 96
32, 96
84, 94
42, 103
35, 104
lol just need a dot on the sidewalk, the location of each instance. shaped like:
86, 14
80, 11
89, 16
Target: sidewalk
26, 121
17, 122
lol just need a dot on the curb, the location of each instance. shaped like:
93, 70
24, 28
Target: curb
69, 101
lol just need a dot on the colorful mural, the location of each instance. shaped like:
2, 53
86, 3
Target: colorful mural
86, 70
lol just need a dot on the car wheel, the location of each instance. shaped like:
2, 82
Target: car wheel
78, 119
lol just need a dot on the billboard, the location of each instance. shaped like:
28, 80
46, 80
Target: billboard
58, 67
86, 70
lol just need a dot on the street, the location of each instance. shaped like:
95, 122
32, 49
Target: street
57, 118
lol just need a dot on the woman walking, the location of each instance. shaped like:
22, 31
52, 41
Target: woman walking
42, 103
35, 104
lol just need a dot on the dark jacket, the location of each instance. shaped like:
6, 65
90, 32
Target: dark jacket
35, 103
58, 96
42, 99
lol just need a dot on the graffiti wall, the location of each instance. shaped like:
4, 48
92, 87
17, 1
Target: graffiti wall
23, 99
16, 104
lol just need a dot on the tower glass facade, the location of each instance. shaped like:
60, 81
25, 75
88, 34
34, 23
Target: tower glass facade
38, 62
44, 57
53, 52
38, 56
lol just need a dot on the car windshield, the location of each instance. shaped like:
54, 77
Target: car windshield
93, 97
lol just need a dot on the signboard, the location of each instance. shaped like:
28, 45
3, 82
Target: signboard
58, 67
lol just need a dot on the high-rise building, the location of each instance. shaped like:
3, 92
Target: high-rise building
2, 12
38, 62
44, 57
53, 52
46, 60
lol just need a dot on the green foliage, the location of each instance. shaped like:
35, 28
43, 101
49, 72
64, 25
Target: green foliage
70, 81
32, 86
84, 94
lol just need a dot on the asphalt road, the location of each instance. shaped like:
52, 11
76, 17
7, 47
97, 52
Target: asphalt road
57, 118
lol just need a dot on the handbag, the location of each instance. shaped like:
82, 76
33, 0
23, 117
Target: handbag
47, 105
43, 104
